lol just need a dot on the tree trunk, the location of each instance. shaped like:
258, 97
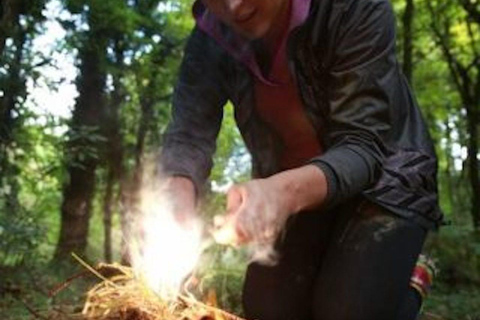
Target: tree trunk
125, 207
131, 188
149, 95
472, 8
111, 126
408, 17
107, 216
473, 167
449, 166
9, 13
82, 149
13, 92
76, 210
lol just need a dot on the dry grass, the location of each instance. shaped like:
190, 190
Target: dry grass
119, 295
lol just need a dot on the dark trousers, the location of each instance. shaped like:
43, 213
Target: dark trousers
351, 263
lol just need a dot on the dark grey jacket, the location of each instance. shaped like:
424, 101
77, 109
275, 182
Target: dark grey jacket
343, 58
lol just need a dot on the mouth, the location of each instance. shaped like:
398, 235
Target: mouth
245, 16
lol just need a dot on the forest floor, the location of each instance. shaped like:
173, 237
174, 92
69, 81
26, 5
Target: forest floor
24, 294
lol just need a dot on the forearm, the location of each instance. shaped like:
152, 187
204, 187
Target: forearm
301, 188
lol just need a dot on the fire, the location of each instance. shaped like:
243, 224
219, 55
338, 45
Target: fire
166, 252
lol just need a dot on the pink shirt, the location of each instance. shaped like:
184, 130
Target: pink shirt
279, 104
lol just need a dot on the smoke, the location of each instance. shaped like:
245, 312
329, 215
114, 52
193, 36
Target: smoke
163, 251
258, 231
265, 254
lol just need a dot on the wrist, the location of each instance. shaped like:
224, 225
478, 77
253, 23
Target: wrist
181, 191
182, 187
301, 189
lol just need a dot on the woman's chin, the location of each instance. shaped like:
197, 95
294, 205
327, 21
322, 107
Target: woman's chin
253, 32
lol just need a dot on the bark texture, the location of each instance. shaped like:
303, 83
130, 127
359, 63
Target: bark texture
82, 150
14, 92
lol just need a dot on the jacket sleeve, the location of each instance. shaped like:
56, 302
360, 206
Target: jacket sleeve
363, 78
197, 111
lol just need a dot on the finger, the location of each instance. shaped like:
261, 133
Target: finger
237, 206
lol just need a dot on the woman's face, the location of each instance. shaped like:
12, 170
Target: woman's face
251, 18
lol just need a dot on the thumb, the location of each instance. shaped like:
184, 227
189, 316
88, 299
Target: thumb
234, 200
227, 229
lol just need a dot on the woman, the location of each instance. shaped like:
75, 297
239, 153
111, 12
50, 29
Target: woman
342, 160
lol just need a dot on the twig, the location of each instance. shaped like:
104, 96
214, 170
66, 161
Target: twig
92, 270
103, 270
66, 283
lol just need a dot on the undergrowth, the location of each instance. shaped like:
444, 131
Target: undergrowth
455, 294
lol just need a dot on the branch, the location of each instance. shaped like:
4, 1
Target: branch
472, 10
474, 63
9, 13
408, 39
477, 86
471, 34
457, 70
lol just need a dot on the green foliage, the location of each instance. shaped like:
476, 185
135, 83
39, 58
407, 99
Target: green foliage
83, 142
458, 304
24, 232
231, 162
19, 235
22, 152
222, 270
458, 264
456, 289
29, 286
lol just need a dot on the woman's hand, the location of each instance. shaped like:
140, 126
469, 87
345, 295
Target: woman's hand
258, 210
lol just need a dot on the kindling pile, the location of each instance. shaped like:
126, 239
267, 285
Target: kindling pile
120, 295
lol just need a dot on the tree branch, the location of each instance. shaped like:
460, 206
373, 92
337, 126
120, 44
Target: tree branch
475, 53
477, 86
457, 70
408, 18
472, 9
